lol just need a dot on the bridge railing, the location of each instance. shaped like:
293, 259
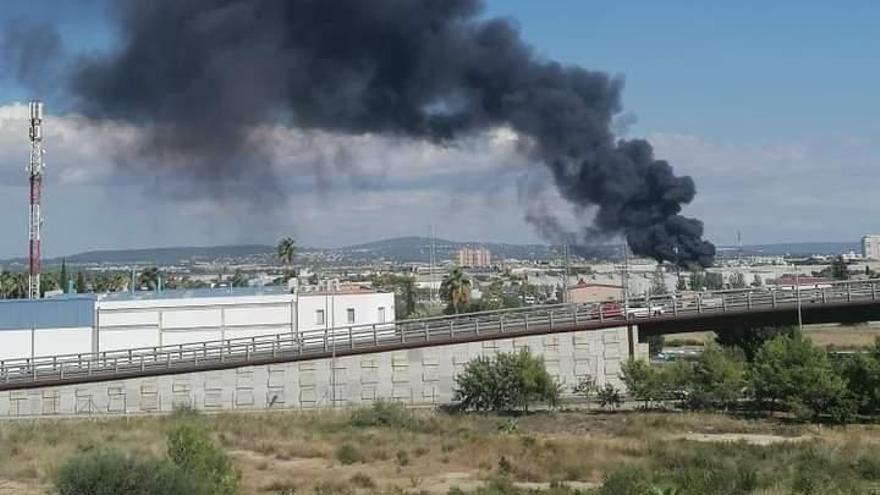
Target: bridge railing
426, 330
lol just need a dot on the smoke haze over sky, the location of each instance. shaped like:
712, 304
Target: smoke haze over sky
717, 91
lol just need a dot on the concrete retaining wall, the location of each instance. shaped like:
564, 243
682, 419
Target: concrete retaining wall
416, 377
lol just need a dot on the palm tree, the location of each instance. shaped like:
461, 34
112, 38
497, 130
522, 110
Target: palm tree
456, 289
149, 278
286, 253
13, 285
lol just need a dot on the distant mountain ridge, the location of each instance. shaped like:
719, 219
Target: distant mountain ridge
407, 249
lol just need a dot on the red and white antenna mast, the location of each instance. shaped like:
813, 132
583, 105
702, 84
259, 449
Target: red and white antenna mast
35, 171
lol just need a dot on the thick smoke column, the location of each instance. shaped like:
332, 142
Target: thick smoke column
202, 73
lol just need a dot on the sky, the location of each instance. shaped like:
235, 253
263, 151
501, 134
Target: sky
770, 106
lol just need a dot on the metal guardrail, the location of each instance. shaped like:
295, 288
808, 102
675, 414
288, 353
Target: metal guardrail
15, 373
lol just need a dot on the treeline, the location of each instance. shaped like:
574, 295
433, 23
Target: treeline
787, 373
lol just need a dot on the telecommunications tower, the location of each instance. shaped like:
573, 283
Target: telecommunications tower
35, 171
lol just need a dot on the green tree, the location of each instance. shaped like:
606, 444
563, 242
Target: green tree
790, 370
714, 281
697, 281
504, 383
658, 281
13, 285
80, 285
737, 281
63, 276
286, 251
757, 281
839, 269
456, 290
239, 279
862, 374
681, 284
716, 380
748, 339
149, 278
645, 382
191, 449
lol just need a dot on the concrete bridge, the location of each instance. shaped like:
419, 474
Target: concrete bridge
413, 361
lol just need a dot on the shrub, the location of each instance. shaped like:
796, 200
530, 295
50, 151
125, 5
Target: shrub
717, 379
383, 414
645, 382
609, 396
504, 383
191, 449
789, 369
111, 473
348, 454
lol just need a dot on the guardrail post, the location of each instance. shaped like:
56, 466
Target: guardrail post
574, 311
326, 341
874, 291
526, 321
276, 346
350, 338
129, 356
675, 306
723, 304
848, 292
427, 332
477, 326
501, 323
773, 298
116, 365
61, 370
375, 336
749, 300
143, 366
824, 296
403, 334
699, 303
451, 328
551, 319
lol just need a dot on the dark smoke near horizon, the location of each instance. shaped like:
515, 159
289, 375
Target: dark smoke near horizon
200, 74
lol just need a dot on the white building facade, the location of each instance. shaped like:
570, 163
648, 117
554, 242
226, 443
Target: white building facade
130, 321
871, 247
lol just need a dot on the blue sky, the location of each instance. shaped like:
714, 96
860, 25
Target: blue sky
768, 105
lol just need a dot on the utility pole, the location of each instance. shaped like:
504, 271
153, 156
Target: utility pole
567, 274
797, 283
35, 170
625, 276
433, 262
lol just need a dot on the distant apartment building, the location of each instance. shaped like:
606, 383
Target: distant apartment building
871, 247
474, 257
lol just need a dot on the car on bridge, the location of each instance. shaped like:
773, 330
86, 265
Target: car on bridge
607, 310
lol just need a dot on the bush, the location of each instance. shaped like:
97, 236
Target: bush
790, 370
383, 415
647, 383
191, 449
504, 383
348, 454
112, 473
716, 380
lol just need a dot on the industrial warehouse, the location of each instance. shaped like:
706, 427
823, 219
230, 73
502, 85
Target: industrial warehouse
88, 323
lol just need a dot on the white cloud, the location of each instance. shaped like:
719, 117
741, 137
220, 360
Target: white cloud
813, 188
342, 189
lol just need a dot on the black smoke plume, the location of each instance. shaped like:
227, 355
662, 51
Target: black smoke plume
202, 73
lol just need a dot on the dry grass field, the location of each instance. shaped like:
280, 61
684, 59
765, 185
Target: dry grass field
360, 451
839, 336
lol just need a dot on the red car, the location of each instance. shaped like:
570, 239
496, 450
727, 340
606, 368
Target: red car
608, 310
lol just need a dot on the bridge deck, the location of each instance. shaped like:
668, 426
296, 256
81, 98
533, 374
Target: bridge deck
285, 347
